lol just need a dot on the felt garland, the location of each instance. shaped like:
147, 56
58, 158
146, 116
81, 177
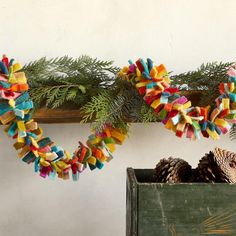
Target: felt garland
49, 159
152, 82
175, 111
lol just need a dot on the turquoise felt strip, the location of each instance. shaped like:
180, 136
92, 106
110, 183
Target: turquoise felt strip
19, 113
232, 97
22, 133
52, 175
25, 105
164, 100
32, 135
44, 142
145, 67
5, 84
151, 85
11, 62
12, 130
75, 176
29, 157
175, 119
130, 62
3, 68
232, 79
197, 134
99, 164
36, 164
204, 126
211, 126
22, 98
4, 109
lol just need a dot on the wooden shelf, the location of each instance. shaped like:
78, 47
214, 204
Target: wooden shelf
45, 115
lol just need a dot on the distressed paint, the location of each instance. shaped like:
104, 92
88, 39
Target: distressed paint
156, 209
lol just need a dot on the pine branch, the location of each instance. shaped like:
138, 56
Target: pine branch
147, 114
207, 78
55, 82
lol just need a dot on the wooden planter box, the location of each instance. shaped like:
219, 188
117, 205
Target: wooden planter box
156, 209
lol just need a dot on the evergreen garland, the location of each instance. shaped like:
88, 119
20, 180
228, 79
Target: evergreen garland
62, 81
205, 78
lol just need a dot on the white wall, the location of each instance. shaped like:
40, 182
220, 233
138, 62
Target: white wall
180, 33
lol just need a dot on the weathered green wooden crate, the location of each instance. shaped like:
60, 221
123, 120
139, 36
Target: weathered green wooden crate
157, 209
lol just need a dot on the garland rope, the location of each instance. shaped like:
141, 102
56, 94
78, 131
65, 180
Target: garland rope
175, 111
152, 82
49, 159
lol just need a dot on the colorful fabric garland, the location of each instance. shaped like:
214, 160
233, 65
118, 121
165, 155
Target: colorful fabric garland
152, 82
49, 159
175, 111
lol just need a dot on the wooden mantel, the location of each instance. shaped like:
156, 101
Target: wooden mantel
45, 115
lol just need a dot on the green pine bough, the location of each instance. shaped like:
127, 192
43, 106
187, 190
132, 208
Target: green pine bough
92, 86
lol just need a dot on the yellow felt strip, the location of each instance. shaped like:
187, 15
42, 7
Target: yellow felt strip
169, 124
67, 154
156, 103
34, 142
92, 160
231, 87
111, 147
213, 134
167, 80
36, 153
160, 86
16, 67
20, 139
225, 103
44, 162
187, 119
117, 135
12, 103
187, 105
51, 156
96, 140
55, 167
221, 122
62, 165
18, 78
142, 84
177, 107
138, 73
21, 125
153, 72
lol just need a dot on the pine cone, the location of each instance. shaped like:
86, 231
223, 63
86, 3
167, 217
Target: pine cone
172, 170
218, 166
